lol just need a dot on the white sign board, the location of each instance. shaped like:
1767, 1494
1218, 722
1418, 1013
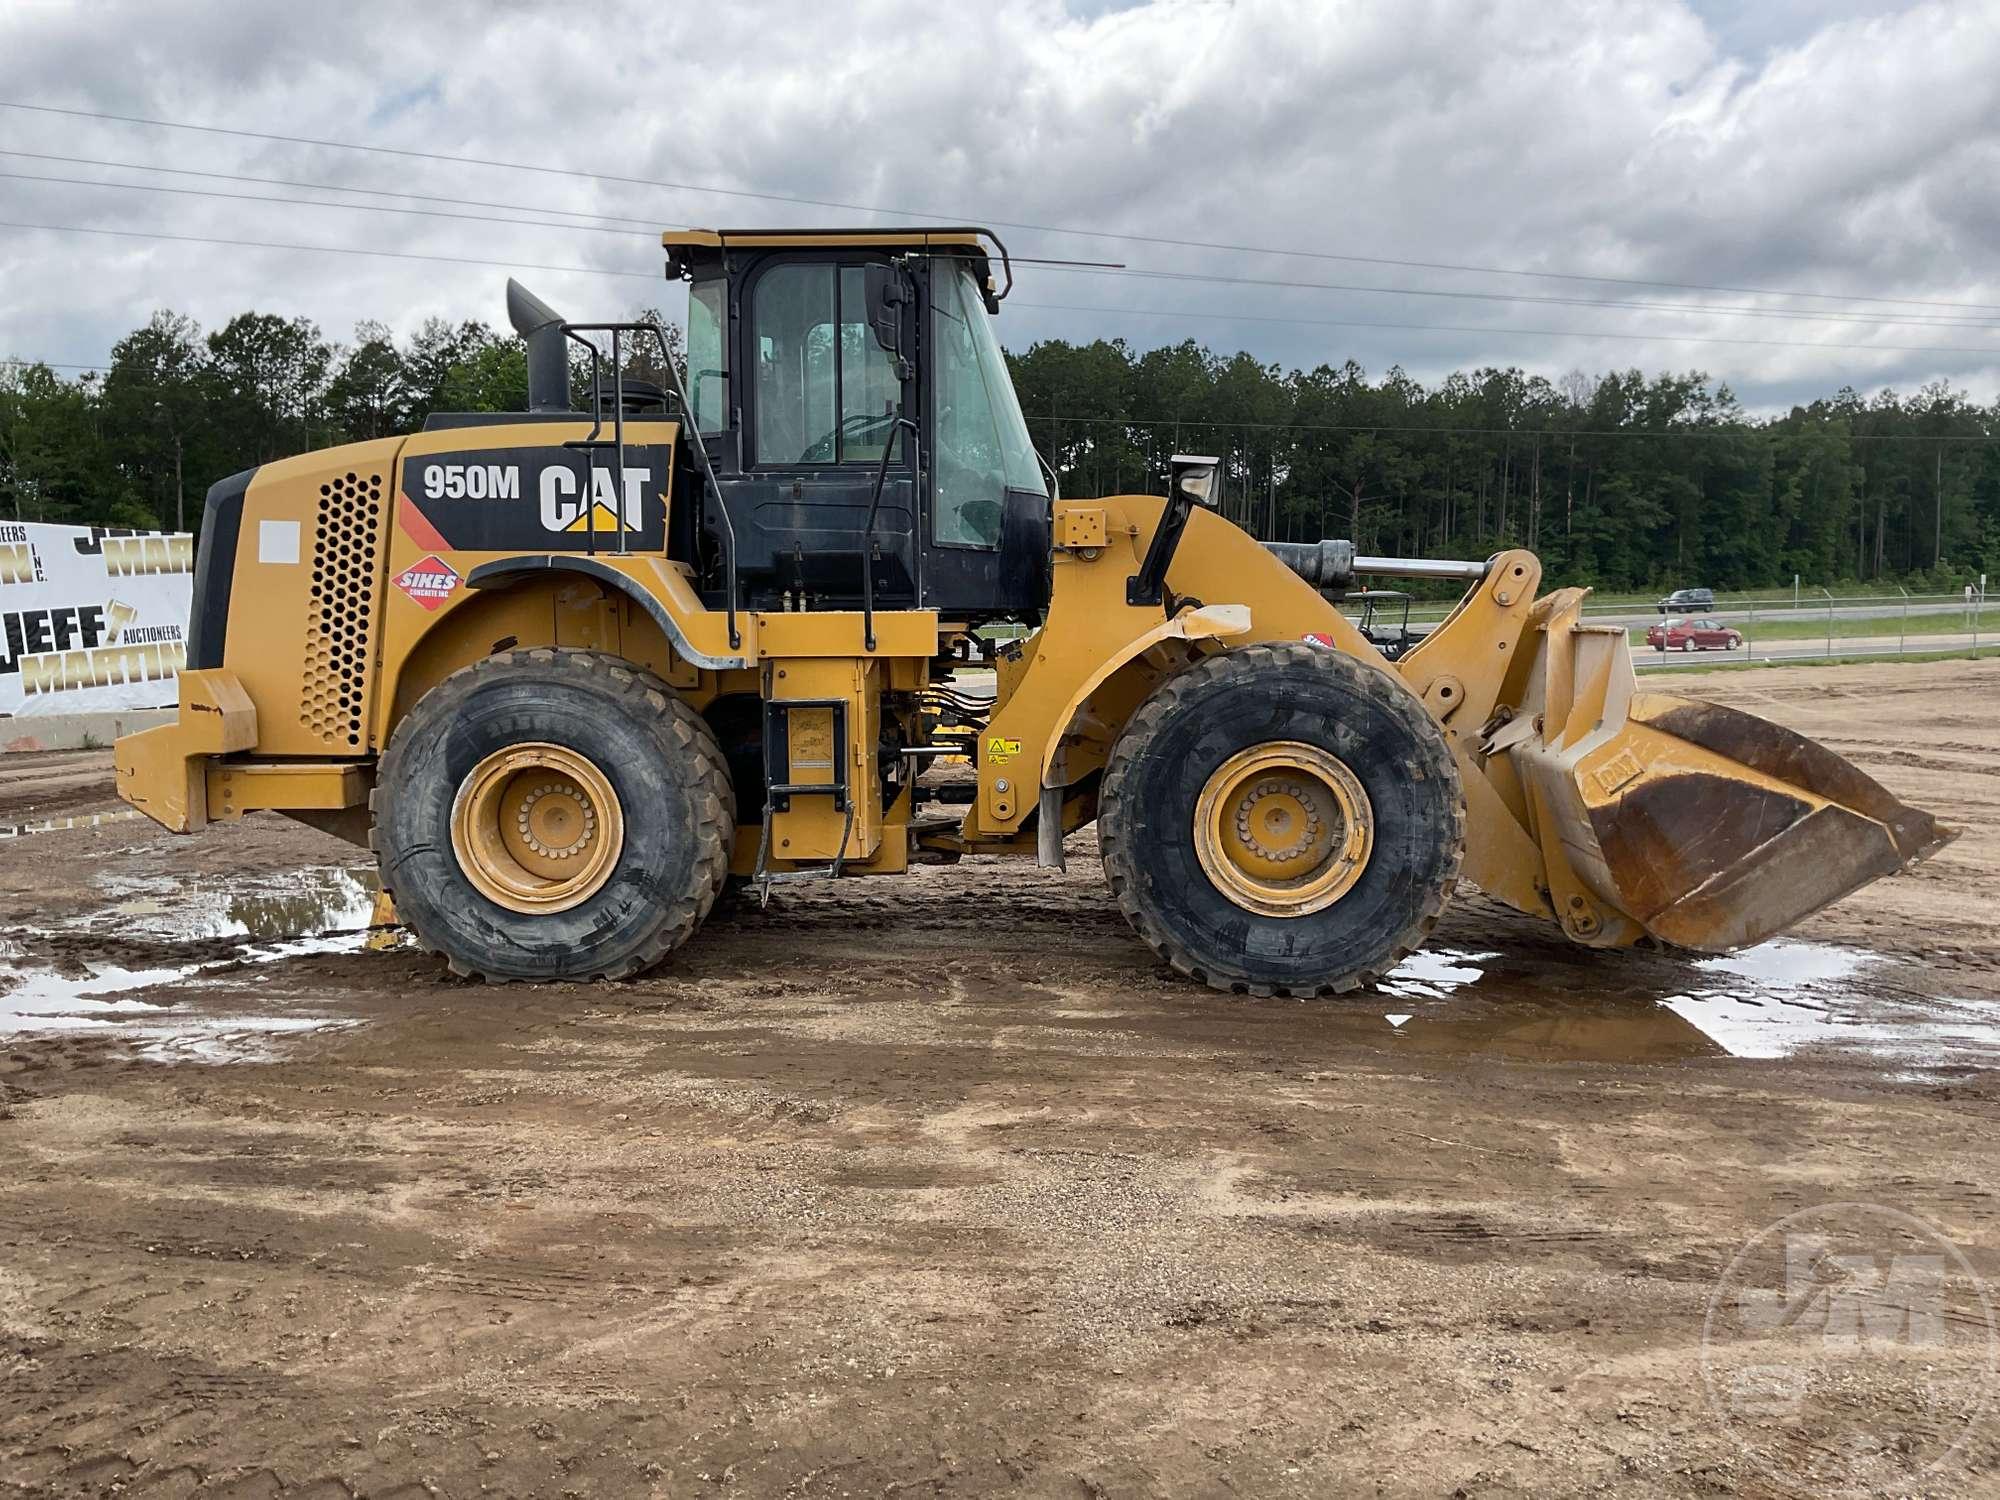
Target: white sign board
91, 618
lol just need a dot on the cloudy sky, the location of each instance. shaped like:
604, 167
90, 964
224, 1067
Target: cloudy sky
1796, 194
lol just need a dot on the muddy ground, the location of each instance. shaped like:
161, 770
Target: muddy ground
945, 1187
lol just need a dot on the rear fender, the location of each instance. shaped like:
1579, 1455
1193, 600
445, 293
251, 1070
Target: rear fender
525, 609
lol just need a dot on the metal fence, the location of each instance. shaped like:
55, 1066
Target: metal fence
1815, 624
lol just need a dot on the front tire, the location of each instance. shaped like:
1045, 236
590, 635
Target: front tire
1282, 819
553, 815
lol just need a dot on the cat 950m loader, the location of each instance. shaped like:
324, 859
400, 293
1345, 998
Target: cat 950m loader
567, 671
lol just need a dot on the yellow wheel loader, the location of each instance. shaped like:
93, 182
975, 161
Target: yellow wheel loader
570, 671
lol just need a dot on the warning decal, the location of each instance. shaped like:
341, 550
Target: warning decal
429, 582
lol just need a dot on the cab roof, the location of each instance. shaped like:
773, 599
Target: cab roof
689, 247
956, 238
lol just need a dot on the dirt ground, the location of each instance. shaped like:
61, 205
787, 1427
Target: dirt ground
944, 1186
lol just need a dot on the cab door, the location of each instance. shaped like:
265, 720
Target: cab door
822, 399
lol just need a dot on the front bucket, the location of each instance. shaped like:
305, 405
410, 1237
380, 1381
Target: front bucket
1707, 827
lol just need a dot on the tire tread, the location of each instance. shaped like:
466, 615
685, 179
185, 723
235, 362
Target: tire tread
643, 695
1122, 858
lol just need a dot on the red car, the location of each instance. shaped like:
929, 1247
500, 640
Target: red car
1693, 635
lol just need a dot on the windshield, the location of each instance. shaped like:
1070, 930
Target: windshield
1017, 451
982, 446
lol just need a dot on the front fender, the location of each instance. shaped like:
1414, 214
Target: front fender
1209, 622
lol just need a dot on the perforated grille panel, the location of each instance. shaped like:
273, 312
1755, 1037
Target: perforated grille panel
340, 614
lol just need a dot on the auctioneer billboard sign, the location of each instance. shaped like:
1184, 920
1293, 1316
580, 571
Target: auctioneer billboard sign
91, 618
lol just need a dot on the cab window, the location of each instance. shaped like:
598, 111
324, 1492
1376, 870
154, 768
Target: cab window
826, 389
708, 354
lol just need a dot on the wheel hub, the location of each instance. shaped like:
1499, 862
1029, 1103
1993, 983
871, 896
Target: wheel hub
537, 828
556, 820
1283, 829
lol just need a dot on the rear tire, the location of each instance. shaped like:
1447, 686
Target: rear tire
1378, 752
553, 815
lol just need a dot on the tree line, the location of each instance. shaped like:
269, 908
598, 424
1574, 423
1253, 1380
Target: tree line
1619, 480
139, 443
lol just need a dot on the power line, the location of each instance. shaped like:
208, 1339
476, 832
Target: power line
372, 208
205, 239
1559, 333
651, 235
1563, 333
1736, 431
1099, 269
653, 225
689, 187
1913, 320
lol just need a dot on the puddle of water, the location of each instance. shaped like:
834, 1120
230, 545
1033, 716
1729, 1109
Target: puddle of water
297, 905
1435, 973
1771, 1001
45, 1003
319, 910
56, 825
1787, 965
44, 997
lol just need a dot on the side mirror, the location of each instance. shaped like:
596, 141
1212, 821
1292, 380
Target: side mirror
886, 292
1194, 476
1192, 483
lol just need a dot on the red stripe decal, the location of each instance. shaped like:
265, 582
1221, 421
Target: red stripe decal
417, 527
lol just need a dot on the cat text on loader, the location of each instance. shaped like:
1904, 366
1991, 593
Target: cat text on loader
567, 671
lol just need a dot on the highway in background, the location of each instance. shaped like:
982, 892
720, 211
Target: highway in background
1736, 614
1644, 657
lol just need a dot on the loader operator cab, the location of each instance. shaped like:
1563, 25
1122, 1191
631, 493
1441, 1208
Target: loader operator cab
858, 413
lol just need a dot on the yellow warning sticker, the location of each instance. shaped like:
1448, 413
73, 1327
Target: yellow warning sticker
1000, 751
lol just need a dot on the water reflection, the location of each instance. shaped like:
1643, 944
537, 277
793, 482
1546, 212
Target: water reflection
325, 909
57, 825
320, 899
1775, 1000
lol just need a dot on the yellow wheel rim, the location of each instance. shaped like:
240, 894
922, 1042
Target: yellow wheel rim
537, 828
1283, 829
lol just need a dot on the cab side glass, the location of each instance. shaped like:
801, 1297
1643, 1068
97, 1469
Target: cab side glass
827, 391
981, 447
708, 354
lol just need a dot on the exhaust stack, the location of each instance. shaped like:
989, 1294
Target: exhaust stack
541, 328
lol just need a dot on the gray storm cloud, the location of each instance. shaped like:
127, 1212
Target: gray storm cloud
1828, 149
